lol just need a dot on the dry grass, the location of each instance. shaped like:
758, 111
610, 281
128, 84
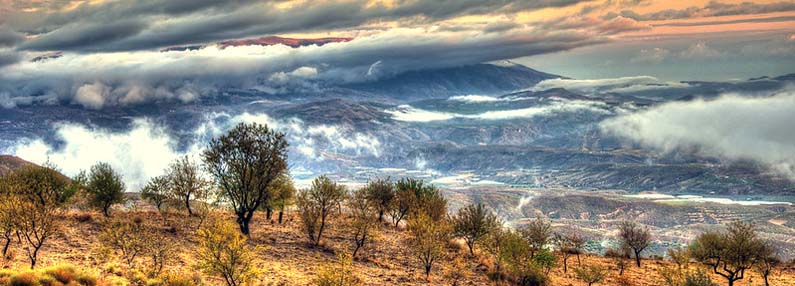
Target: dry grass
288, 259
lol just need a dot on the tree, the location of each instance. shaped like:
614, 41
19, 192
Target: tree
730, 253
428, 240
494, 244
767, 261
33, 199
635, 237
519, 267
244, 162
105, 187
404, 199
7, 226
186, 183
362, 212
223, 251
545, 260
619, 255
127, 236
537, 234
591, 274
315, 206
157, 191
472, 223
282, 194
568, 244
382, 193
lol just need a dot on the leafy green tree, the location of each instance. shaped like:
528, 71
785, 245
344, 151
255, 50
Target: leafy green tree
315, 206
545, 260
105, 187
382, 193
186, 182
473, 223
244, 162
157, 191
729, 254
282, 194
635, 237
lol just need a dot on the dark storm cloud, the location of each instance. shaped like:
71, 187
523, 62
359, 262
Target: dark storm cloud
9, 58
160, 23
9, 37
712, 9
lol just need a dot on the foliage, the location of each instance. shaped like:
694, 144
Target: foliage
315, 206
537, 234
186, 182
340, 273
568, 244
224, 252
591, 274
428, 240
619, 255
244, 162
382, 193
55, 275
282, 192
545, 260
157, 191
125, 236
472, 223
731, 253
362, 211
635, 237
105, 187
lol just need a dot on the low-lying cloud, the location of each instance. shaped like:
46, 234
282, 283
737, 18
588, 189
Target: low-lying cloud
621, 84
409, 113
146, 149
732, 127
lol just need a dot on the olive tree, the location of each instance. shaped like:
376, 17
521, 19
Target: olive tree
635, 237
537, 234
428, 239
186, 182
730, 253
282, 194
362, 211
382, 193
157, 191
316, 204
244, 162
473, 223
105, 187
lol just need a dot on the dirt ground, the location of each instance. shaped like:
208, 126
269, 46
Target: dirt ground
287, 258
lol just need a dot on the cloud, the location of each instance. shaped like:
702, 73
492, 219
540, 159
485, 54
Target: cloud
700, 50
8, 58
145, 76
714, 8
651, 56
473, 98
409, 113
159, 23
621, 84
9, 37
729, 127
146, 148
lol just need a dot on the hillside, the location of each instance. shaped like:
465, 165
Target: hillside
9, 163
286, 258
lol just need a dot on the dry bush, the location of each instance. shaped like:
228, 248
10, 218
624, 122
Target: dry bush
224, 251
591, 274
126, 237
339, 273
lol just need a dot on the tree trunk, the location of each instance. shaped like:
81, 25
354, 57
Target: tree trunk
281, 214
187, 205
243, 222
471, 245
565, 264
766, 282
8, 243
106, 210
380, 215
637, 258
268, 213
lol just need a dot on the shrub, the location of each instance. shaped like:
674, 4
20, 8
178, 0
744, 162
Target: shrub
63, 273
223, 251
23, 279
340, 273
545, 260
591, 274
125, 236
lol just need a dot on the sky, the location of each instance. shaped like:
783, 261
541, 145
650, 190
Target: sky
98, 53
